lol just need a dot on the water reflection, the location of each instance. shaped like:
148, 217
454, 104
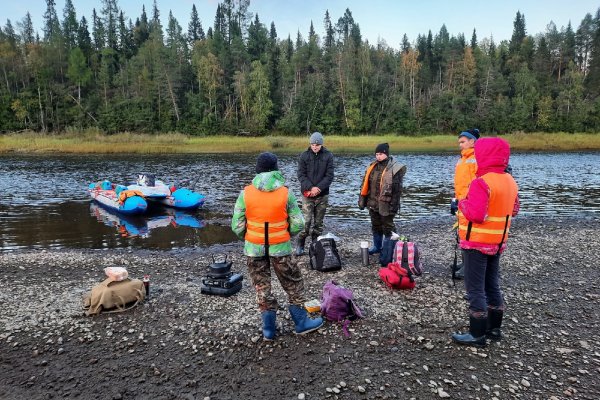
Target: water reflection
44, 202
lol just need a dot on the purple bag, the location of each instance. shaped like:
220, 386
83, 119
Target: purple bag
337, 305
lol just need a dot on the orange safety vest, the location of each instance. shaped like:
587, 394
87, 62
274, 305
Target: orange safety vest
270, 207
125, 194
464, 173
495, 227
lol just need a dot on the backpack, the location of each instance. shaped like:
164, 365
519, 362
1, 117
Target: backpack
396, 277
324, 256
407, 264
408, 256
337, 305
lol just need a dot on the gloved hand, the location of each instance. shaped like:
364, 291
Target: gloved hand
453, 206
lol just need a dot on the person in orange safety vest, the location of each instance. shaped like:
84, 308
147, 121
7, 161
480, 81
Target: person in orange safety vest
266, 215
464, 173
484, 221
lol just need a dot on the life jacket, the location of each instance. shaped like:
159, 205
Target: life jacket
464, 173
270, 207
125, 194
495, 228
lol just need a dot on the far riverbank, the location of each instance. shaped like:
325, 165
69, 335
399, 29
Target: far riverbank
91, 142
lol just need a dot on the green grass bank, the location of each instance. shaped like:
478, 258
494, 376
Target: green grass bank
96, 142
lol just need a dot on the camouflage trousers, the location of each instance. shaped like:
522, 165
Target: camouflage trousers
288, 273
313, 209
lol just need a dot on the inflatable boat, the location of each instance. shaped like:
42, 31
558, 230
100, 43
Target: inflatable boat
168, 195
117, 197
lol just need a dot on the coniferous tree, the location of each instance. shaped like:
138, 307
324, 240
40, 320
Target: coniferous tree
51, 24
195, 31
84, 42
98, 31
70, 25
519, 33
141, 31
27, 31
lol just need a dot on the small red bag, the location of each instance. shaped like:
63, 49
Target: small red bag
396, 277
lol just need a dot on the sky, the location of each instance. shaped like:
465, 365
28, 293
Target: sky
378, 19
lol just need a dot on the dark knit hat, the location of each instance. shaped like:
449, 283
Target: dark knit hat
383, 148
266, 162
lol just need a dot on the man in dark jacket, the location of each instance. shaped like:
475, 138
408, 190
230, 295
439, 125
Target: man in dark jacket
315, 173
380, 192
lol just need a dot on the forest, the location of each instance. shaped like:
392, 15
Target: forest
237, 76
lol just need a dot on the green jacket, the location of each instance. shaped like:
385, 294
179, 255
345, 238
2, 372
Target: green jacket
267, 182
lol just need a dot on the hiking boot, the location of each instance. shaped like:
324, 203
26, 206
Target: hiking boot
494, 322
476, 334
303, 323
300, 246
268, 318
377, 244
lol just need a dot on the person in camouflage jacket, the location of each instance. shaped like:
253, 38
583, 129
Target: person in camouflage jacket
267, 212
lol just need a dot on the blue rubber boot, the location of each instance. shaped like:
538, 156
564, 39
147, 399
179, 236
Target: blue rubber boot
268, 318
303, 323
377, 244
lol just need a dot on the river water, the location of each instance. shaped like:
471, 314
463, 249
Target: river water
44, 203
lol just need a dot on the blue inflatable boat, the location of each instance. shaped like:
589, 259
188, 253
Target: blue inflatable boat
118, 197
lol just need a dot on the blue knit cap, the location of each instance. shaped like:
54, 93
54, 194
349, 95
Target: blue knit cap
470, 134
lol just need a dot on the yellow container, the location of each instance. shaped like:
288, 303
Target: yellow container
313, 306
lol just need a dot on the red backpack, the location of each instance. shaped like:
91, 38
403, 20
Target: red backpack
396, 277
400, 273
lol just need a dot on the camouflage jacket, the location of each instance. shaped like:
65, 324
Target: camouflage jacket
267, 182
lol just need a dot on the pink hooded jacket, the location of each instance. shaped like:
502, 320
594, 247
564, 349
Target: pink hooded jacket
492, 155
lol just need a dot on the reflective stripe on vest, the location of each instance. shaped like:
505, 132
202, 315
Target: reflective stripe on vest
495, 228
270, 207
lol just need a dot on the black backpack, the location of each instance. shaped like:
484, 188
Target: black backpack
324, 256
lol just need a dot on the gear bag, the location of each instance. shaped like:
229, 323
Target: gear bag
396, 277
114, 296
324, 256
337, 305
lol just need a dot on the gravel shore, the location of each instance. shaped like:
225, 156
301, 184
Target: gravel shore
181, 344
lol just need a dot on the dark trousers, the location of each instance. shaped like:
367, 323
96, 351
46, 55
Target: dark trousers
482, 275
383, 225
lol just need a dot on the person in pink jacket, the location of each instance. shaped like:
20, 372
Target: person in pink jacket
484, 223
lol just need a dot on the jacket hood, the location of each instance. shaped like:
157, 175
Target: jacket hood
268, 181
492, 155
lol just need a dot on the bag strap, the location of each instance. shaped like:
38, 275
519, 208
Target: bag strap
411, 256
503, 234
399, 251
123, 308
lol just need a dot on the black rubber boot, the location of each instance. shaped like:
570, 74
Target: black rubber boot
476, 334
300, 246
494, 324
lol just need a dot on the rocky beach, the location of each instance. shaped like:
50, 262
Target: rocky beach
181, 344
